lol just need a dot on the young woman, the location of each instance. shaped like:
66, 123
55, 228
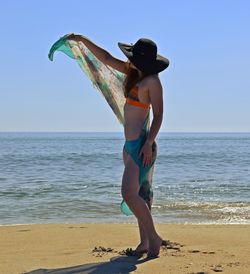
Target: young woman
142, 89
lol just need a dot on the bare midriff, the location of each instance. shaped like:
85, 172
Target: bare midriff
134, 118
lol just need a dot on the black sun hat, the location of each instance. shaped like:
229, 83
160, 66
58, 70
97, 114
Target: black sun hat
143, 54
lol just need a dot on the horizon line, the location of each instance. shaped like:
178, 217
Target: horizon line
44, 131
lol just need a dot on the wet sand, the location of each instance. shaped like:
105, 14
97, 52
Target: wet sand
101, 248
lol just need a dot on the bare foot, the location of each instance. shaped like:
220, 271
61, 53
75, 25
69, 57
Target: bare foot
139, 251
154, 247
142, 247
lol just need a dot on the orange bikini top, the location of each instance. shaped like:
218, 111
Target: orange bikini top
133, 99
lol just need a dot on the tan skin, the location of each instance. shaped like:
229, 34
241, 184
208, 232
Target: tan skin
150, 91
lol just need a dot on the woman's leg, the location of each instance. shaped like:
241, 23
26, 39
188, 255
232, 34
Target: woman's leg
143, 236
130, 190
144, 244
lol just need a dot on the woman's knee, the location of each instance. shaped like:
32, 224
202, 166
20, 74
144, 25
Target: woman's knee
129, 195
130, 180
129, 189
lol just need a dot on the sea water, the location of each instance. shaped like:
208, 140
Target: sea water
76, 177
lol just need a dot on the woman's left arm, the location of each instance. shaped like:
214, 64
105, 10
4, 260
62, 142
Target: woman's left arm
156, 97
155, 94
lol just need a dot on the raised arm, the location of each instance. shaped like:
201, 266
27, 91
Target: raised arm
100, 53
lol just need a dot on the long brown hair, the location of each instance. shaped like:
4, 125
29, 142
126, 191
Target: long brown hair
132, 78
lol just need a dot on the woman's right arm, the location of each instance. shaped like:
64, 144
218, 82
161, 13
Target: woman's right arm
100, 53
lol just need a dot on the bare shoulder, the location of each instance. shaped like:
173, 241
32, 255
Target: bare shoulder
155, 93
153, 84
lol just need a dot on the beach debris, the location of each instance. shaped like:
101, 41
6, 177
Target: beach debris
166, 244
194, 251
233, 264
200, 272
218, 268
208, 252
123, 252
100, 250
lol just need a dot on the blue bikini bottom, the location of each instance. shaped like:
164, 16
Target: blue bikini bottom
133, 147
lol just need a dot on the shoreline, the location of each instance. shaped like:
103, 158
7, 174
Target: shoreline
65, 247
128, 223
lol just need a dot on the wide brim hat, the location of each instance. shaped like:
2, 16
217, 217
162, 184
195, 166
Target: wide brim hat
143, 54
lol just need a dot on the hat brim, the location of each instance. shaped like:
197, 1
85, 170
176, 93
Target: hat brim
157, 66
126, 49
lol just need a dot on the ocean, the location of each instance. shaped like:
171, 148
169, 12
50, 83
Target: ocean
199, 178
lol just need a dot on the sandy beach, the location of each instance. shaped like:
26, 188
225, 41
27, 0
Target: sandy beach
99, 248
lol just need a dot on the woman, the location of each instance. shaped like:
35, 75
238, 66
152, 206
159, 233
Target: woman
142, 88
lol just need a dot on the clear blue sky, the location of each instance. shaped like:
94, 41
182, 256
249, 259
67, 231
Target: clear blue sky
206, 88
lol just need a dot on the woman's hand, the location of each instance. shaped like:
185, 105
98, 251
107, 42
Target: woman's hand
147, 152
72, 36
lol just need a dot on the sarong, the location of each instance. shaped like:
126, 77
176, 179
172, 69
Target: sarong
133, 148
